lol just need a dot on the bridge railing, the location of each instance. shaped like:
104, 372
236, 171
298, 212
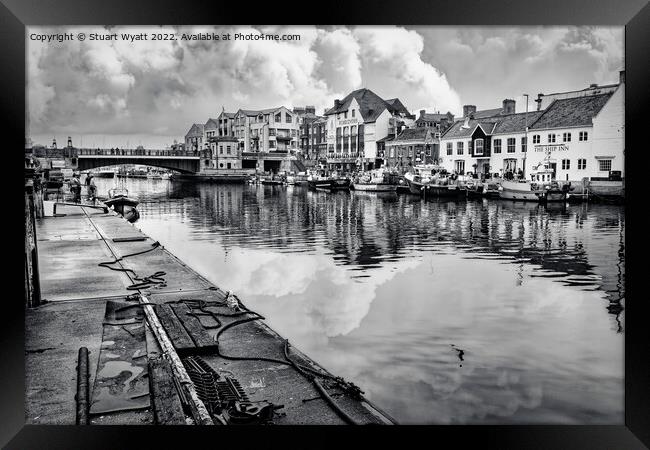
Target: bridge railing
139, 152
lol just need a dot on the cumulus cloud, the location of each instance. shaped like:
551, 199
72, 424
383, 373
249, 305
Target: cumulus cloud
157, 89
488, 64
151, 87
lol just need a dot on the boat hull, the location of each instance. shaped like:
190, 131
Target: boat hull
332, 185
434, 190
374, 187
522, 191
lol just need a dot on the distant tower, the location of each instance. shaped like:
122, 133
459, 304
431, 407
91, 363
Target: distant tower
54, 143
69, 142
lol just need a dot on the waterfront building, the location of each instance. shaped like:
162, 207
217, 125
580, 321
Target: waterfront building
210, 132
439, 122
583, 135
412, 146
273, 130
195, 138
544, 100
356, 123
318, 137
306, 117
225, 152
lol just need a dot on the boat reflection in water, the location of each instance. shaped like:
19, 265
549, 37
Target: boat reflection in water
475, 311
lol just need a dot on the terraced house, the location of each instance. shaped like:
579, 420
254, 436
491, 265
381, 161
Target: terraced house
582, 132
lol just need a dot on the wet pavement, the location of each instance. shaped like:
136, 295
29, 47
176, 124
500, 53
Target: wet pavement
80, 296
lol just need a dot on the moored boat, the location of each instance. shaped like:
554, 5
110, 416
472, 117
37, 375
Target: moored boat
432, 181
542, 186
120, 201
322, 179
376, 181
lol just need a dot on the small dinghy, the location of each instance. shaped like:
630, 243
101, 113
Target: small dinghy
119, 200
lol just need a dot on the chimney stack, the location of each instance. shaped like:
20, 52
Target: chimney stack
337, 103
422, 111
468, 110
508, 106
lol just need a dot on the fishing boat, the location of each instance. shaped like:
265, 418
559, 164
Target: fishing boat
322, 179
488, 188
432, 181
378, 180
542, 186
120, 202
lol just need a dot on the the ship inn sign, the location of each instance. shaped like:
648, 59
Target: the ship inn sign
552, 148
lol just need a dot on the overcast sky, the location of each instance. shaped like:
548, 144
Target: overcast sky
150, 92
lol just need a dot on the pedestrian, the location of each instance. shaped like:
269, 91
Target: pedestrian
92, 189
75, 187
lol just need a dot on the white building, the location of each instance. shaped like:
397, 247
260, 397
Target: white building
583, 135
356, 123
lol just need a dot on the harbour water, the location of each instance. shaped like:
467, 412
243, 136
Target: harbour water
448, 312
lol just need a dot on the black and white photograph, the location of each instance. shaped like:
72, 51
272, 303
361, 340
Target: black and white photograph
325, 225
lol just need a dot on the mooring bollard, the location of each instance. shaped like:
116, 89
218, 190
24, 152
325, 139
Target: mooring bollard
82, 387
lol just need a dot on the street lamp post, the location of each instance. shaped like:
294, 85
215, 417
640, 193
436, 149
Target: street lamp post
526, 139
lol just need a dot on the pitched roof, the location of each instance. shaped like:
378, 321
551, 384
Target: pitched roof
413, 134
370, 105
433, 117
211, 120
515, 123
457, 130
487, 113
257, 112
571, 112
195, 129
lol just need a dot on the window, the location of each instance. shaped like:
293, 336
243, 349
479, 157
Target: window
582, 164
229, 168
551, 138
459, 148
345, 114
582, 136
511, 145
221, 149
524, 144
228, 150
566, 137
278, 117
460, 167
288, 117
450, 149
497, 146
536, 139
478, 146
566, 164
353, 113
604, 165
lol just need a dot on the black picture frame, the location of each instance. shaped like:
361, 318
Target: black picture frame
633, 14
